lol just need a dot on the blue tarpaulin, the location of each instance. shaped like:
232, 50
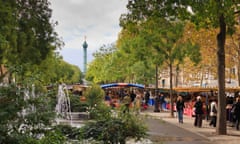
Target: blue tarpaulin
122, 85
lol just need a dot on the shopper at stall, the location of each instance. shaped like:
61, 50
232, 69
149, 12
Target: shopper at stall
236, 112
213, 113
180, 107
198, 106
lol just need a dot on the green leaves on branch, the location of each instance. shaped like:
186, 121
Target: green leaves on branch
28, 40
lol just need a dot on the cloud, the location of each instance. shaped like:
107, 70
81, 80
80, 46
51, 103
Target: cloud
98, 20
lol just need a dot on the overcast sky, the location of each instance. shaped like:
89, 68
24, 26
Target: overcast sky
98, 20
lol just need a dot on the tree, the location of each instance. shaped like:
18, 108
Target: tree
160, 39
233, 55
112, 64
27, 35
100, 70
219, 14
7, 29
207, 66
137, 44
35, 31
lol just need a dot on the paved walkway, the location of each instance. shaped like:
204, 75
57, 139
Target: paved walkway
232, 137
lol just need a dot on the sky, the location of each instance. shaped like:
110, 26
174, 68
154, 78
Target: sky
98, 20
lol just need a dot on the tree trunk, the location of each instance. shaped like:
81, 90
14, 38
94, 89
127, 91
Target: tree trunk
177, 75
221, 117
238, 68
238, 65
156, 74
156, 103
171, 89
202, 75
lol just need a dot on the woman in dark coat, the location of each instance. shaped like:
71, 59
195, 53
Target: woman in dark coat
180, 107
198, 112
236, 112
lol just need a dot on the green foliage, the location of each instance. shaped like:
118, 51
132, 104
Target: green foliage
27, 114
104, 69
109, 126
27, 49
77, 105
28, 43
94, 95
7, 33
100, 111
114, 128
94, 98
35, 35
26, 111
71, 133
66, 73
53, 137
112, 64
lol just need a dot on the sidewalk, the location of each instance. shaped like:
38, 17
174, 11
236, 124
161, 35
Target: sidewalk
232, 137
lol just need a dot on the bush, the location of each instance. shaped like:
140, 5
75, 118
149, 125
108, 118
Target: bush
94, 99
94, 95
53, 137
77, 105
111, 129
25, 112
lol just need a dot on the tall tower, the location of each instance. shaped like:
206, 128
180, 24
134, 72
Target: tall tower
85, 45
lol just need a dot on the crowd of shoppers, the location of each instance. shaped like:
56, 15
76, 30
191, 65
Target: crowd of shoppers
141, 99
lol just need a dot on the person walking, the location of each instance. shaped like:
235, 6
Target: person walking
137, 104
147, 97
180, 107
161, 101
236, 112
126, 102
213, 113
198, 112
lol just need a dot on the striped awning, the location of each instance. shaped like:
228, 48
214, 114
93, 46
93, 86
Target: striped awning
122, 85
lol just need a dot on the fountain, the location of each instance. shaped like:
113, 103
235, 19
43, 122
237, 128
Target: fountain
63, 108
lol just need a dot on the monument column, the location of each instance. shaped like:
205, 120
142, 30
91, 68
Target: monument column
85, 45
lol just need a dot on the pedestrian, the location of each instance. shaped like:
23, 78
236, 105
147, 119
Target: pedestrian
156, 104
107, 97
133, 96
213, 113
180, 107
137, 104
126, 102
236, 112
198, 112
147, 97
161, 101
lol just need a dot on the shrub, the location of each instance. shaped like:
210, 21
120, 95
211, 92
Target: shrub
94, 95
25, 113
94, 99
77, 105
111, 129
